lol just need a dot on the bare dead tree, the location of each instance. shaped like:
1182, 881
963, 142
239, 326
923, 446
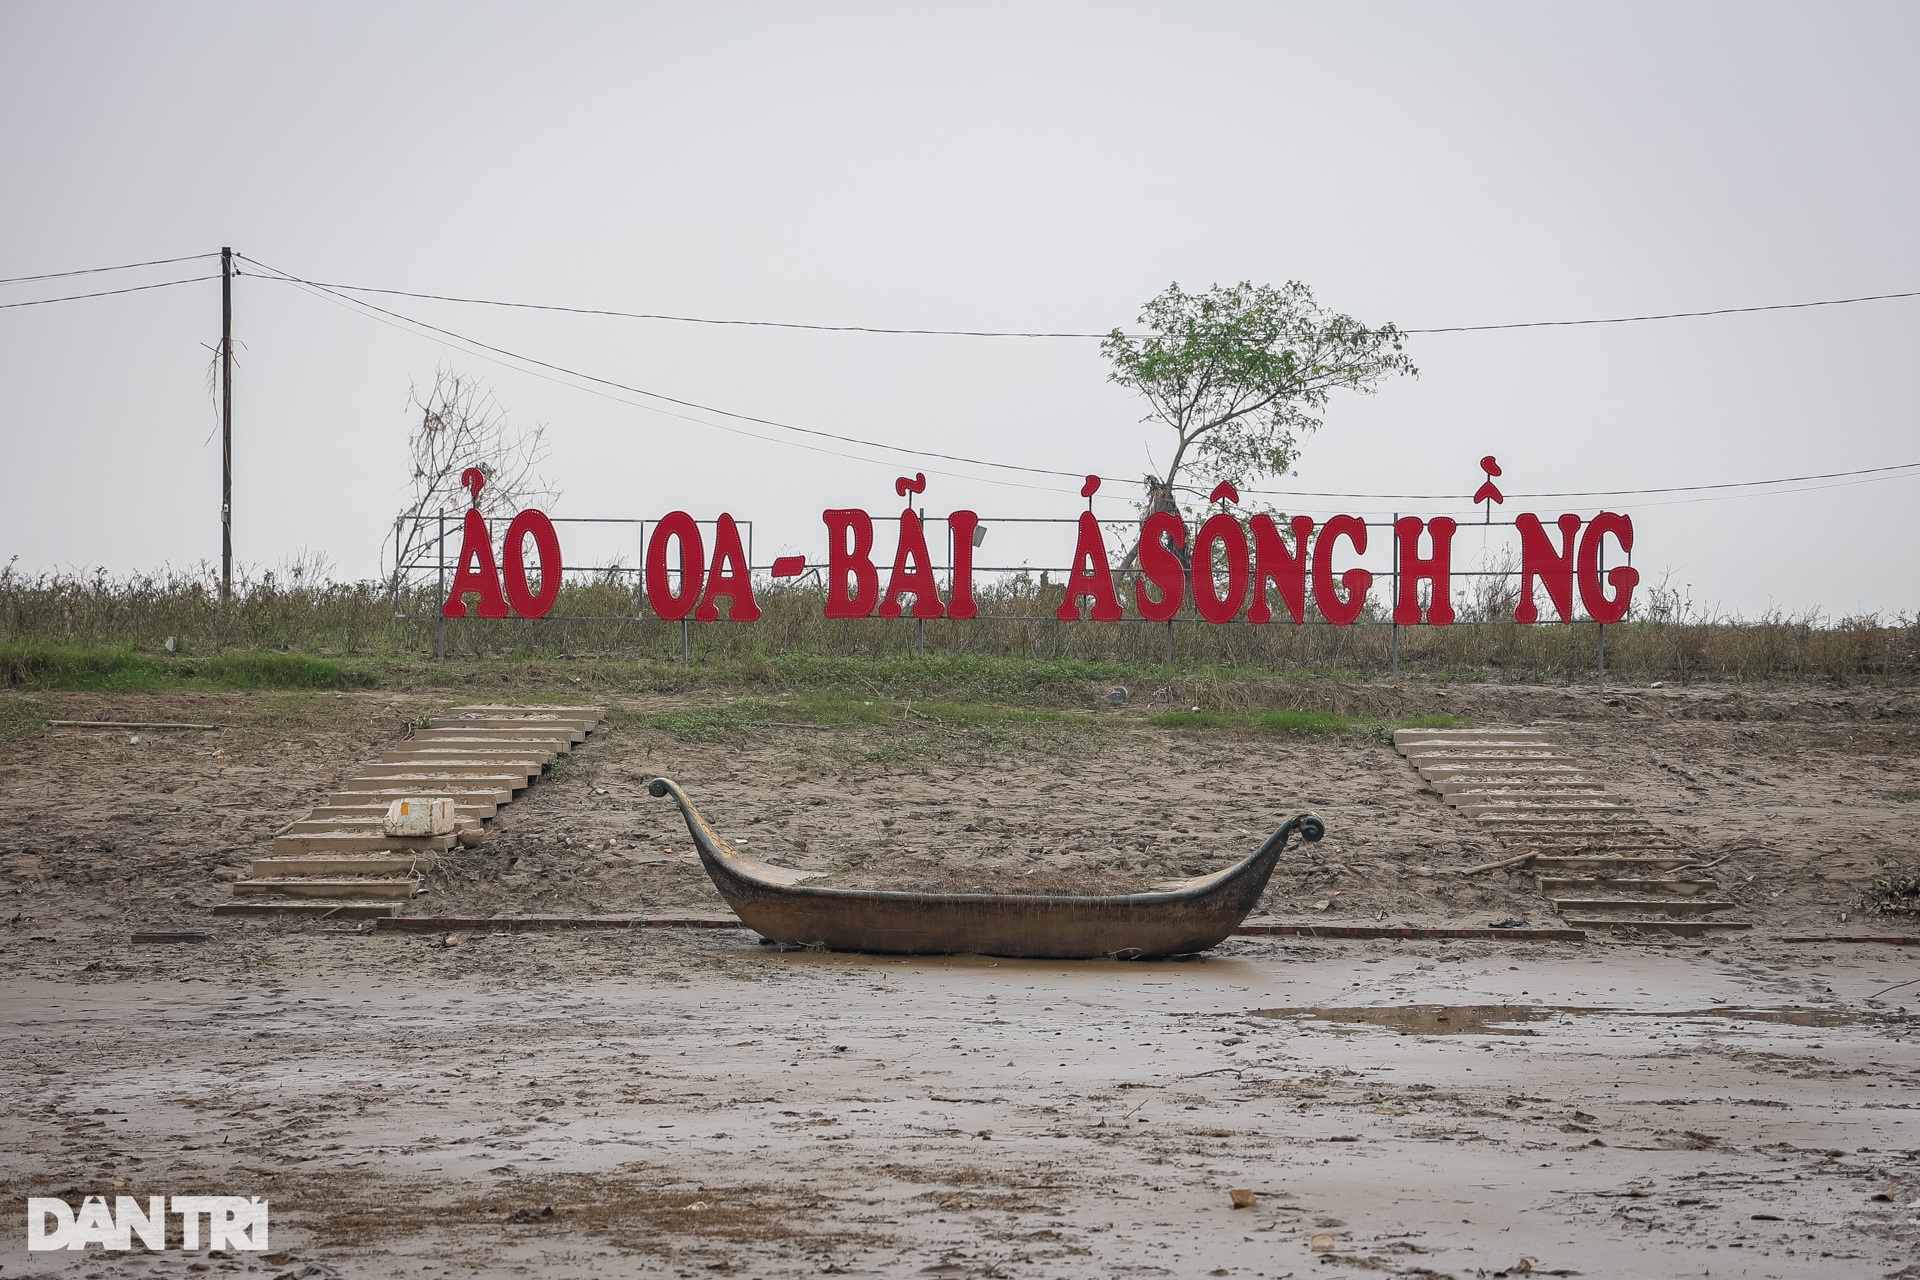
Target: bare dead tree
462, 425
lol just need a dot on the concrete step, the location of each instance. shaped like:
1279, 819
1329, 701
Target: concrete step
451, 766
358, 842
1519, 752
378, 811
325, 887
559, 740
1495, 807
1412, 736
1588, 826
1677, 928
464, 792
591, 714
1639, 906
266, 906
575, 730
1504, 769
434, 784
1517, 786
1494, 746
508, 752
1571, 887
359, 823
366, 864
1599, 864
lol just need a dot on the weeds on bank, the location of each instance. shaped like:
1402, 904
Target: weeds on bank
116, 670
1895, 893
21, 718
1296, 723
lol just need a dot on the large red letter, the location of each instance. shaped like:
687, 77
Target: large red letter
1161, 535
729, 577
1287, 570
960, 529
1335, 610
918, 580
853, 584
547, 544
1436, 569
1226, 530
675, 524
476, 572
1092, 576
1539, 560
1623, 579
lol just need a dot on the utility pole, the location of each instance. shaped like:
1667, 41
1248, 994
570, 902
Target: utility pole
226, 422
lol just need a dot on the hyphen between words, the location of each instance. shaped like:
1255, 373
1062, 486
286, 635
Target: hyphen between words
1235, 563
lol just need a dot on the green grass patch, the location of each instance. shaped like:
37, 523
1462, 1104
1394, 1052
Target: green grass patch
106, 669
1304, 723
21, 717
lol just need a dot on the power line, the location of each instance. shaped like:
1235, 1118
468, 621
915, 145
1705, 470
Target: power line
997, 333
125, 266
107, 293
324, 290
1670, 315
685, 404
1599, 493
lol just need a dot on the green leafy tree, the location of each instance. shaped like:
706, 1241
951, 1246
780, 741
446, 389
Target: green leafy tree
1240, 374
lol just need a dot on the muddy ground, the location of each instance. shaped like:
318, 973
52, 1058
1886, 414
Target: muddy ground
1746, 1106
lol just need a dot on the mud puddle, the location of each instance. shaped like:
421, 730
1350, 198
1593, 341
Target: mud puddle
1505, 1019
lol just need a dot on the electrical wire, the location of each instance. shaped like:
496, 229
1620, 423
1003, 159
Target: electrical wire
1884, 472
1670, 315
125, 266
1597, 493
674, 400
997, 333
107, 293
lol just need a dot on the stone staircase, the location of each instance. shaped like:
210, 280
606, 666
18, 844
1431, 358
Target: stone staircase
1599, 863
338, 862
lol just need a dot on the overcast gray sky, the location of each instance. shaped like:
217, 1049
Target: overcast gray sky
1028, 166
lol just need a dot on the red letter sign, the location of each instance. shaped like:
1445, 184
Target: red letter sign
1335, 610
546, 544
1435, 569
728, 578
660, 594
476, 572
1092, 576
915, 579
1225, 530
1161, 535
1623, 579
1539, 560
853, 584
1287, 570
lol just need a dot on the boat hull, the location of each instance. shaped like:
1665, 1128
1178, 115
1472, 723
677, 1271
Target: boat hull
1196, 916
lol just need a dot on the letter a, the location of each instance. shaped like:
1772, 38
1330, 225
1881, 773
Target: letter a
1092, 576
477, 572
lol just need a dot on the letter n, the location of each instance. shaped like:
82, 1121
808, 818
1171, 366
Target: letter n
1553, 568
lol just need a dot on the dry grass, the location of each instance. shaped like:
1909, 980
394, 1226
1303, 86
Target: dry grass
301, 611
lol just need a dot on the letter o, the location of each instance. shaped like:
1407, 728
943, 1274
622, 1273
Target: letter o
514, 564
693, 566
1226, 530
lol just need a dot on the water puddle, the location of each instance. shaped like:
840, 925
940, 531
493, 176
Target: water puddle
1510, 1019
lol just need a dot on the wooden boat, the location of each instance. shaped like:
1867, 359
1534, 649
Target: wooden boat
1190, 916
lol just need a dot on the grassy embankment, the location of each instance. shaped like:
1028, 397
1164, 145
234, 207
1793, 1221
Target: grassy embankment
354, 624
